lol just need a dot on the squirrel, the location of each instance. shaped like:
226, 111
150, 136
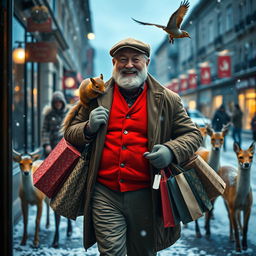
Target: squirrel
89, 89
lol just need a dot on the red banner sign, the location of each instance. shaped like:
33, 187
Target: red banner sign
41, 52
174, 85
224, 66
183, 83
192, 80
33, 26
205, 75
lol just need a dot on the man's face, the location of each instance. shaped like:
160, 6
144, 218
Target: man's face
130, 68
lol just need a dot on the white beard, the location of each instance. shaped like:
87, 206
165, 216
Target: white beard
130, 82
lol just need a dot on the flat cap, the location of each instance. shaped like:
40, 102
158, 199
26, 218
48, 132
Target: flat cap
130, 43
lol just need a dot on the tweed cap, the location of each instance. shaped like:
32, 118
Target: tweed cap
130, 43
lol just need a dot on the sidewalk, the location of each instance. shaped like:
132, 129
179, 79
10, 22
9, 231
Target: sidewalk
188, 245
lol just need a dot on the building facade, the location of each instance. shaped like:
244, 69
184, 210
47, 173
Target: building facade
58, 56
218, 65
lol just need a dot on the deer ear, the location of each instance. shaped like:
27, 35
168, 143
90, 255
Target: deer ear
101, 76
16, 156
36, 154
236, 147
252, 147
225, 128
209, 130
92, 80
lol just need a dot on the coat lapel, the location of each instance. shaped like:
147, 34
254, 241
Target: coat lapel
154, 107
105, 101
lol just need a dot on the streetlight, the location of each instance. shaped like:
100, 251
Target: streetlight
18, 54
91, 36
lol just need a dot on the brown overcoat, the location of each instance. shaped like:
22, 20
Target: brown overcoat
168, 124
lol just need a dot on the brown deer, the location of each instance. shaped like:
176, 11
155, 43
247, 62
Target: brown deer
212, 157
30, 195
238, 193
203, 131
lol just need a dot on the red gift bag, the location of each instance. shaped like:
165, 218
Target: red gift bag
55, 169
169, 213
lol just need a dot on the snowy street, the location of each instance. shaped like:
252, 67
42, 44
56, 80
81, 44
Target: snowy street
189, 245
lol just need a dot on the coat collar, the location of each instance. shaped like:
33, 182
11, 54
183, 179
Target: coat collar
155, 95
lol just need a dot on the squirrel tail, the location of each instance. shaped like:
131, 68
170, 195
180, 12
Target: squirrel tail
70, 116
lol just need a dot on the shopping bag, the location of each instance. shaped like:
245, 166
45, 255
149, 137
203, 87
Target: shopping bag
198, 190
55, 169
69, 200
185, 201
212, 182
169, 212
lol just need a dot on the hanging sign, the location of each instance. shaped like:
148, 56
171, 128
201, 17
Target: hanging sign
224, 66
41, 52
192, 80
205, 72
183, 83
33, 26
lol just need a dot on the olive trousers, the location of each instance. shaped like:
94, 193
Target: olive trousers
123, 222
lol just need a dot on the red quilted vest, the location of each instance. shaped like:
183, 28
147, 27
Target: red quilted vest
123, 166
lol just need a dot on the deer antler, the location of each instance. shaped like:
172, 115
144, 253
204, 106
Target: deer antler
16, 156
36, 154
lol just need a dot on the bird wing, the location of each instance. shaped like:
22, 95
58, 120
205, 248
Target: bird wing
177, 17
151, 24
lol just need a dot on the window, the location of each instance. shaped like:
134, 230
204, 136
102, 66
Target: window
219, 25
229, 18
25, 102
18, 91
210, 31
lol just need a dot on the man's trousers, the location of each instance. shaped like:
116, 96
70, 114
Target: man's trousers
123, 222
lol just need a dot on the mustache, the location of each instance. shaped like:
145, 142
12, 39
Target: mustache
124, 70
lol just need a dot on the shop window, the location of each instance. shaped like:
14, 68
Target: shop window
18, 124
25, 97
247, 101
217, 101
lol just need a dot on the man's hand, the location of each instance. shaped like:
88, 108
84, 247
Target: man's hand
97, 117
160, 156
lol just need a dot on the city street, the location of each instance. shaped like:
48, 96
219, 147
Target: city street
188, 245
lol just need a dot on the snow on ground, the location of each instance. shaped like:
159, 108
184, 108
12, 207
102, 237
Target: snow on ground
187, 245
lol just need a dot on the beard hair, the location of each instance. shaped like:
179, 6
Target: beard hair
130, 83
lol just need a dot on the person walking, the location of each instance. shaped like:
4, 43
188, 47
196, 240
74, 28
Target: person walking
236, 119
136, 128
50, 136
220, 118
253, 126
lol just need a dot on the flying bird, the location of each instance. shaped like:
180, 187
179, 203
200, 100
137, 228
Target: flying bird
173, 26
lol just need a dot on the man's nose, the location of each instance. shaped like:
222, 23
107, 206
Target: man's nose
129, 64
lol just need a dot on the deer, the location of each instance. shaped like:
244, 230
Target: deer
212, 157
238, 193
203, 131
29, 194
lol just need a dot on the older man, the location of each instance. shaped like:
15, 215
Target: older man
136, 128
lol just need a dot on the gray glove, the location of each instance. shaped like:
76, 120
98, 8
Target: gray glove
97, 117
160, 156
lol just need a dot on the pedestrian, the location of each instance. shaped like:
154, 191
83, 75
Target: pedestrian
236, 119
220, 118
53, 117
137, 128
253, 126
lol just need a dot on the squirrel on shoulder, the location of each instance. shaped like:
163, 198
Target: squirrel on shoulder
89, 89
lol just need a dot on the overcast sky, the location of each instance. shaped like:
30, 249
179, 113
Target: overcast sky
111, 21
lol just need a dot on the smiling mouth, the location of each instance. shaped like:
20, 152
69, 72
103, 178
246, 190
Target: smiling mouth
129, 73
